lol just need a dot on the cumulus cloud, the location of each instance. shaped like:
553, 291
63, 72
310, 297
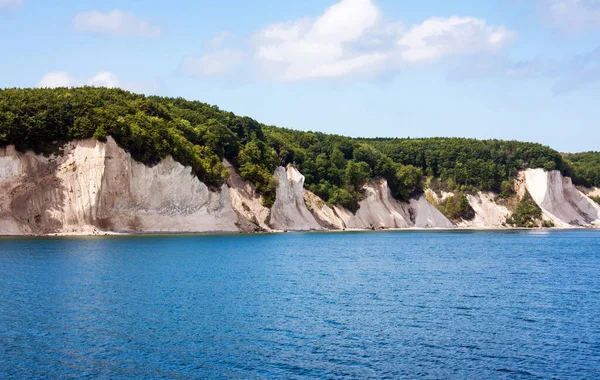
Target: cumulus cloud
117, 23
572, 16
10, 3
57, 79
439, 37
101, 79
324, 47
352, 38
104, 79
211, 64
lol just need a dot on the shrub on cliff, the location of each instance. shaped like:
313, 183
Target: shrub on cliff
527, 214
458, 208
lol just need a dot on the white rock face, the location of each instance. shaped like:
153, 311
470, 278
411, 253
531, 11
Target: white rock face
379, 210
326, 216
437, 199
247, 202
10, 165
593, 192
488, 214
95, 187
289, 211
425, 215
560, 201
99, 187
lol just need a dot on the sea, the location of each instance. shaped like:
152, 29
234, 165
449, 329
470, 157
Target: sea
372, 305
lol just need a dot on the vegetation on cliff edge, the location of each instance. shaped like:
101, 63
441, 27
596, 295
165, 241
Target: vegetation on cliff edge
527, 214
201, 136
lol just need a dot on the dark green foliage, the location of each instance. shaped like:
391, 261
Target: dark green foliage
198, 135
469, 164
457, 208
408, 182
256, 161
337, 167
507, 189
596, 199
527, 215
548, 224
150, 128
584, 168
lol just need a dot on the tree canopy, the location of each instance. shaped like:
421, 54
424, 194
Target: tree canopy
201, 136
469, 164
584, 168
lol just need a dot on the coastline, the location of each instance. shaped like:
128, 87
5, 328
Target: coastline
282, 232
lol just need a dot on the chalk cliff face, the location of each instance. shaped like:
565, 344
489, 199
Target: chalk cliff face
97, 187
379, 210
488, 213
289, 211
559, 200
247, 202
593, 192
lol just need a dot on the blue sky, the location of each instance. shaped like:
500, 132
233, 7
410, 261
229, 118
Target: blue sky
511, 69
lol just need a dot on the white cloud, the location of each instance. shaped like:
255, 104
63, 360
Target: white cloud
321, 48
104, 79
57, 79
101, 79
572, 15
215, 63
114, 23
352, 38
10, 3
439, 37
218, 40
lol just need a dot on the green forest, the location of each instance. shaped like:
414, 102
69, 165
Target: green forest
336, 167
584, 168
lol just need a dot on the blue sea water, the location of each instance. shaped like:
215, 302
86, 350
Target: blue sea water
514, 305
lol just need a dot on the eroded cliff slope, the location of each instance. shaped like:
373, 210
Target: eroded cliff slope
97, 187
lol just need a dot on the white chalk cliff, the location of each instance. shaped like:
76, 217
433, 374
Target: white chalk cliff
289, 211
488, 213
96, 187
560, 201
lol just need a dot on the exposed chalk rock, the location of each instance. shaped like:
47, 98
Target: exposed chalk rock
424, 215
97, 186
247, 202
326, 216
593, 192
379, 210
289, 211
488, 213
560, 201
438, 199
